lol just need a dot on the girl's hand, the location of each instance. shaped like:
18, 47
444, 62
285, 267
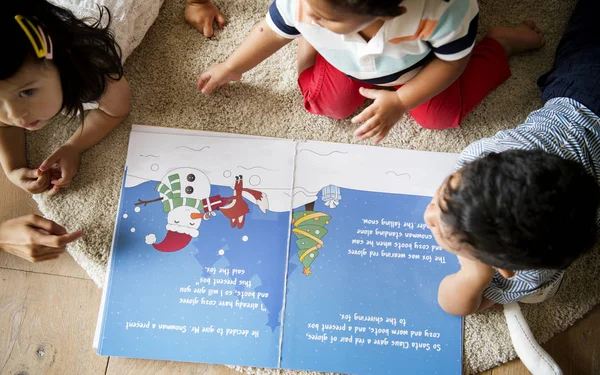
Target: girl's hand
34, 238
31, 180
386, 110
201, 15
63, 165
217, 75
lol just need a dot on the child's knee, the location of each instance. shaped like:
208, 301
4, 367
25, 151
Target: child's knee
328, 92
436, 121
331, 110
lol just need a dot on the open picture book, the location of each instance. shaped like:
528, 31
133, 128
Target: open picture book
275, 253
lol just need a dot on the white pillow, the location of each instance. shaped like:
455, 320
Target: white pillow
130, 19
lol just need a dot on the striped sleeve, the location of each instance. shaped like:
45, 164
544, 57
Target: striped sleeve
454, 35
483, 147
280, 19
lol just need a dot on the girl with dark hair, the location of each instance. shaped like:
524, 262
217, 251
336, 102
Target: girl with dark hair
54, 62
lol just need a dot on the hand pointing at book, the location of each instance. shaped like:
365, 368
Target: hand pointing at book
34, 238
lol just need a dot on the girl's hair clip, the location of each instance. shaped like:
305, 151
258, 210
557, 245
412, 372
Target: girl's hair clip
41, 43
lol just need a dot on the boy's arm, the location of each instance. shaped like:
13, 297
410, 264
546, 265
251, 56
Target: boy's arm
14, 161
112, 109
462, 293
260, 43
388, 106
434, 78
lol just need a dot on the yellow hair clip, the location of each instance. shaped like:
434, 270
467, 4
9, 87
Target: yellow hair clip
43, 44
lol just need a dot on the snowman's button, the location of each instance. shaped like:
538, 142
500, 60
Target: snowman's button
189, 189
191, 177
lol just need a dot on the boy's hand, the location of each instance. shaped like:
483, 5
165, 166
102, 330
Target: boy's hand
67, 158
386, 110
34, 238
217, 75
201, 14
31, 180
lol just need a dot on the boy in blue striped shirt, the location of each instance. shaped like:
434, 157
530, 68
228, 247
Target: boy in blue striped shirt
522, 205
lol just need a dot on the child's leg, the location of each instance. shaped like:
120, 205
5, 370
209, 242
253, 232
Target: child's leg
576, 70
488, 68
326, 90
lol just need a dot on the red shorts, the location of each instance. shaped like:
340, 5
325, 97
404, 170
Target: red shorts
329, 92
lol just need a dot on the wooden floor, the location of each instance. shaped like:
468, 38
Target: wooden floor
48, 315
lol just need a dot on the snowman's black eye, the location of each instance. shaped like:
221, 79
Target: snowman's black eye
189, 189
191, 177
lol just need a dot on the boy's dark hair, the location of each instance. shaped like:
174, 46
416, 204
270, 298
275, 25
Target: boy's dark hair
524, 210
85, 55
376, 8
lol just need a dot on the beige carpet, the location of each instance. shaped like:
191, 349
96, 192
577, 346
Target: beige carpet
163, 73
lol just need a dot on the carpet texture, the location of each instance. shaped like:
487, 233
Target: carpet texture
163, 72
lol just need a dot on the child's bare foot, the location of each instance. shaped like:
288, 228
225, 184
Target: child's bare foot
525, 37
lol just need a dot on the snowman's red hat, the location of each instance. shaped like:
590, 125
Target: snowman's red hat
173, 241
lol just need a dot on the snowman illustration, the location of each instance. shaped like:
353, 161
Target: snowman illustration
185, 195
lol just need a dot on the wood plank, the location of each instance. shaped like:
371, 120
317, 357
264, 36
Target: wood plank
576, 350
47, 324
514, 367
118, 366
15, 202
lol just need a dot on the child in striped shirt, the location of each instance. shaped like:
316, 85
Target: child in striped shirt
523, 204
353, 49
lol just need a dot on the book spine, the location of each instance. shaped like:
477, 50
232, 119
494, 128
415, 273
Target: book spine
287, 255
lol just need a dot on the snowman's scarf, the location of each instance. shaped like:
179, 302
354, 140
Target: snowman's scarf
171, 194
172, 198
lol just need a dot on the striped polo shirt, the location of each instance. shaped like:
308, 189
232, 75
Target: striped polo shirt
563, 127
442, 28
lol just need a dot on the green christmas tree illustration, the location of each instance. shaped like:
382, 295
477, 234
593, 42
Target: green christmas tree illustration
309, 228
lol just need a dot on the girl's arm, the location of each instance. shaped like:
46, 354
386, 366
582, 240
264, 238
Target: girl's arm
14, 161
260, 43
113, 107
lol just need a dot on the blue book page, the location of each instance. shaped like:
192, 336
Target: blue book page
199, 256
365, 269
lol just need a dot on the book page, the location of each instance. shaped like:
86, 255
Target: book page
199, 256
364, 268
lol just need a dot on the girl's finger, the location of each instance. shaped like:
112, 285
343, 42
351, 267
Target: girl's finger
38, 222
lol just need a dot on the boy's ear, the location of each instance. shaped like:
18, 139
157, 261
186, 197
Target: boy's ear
507, 274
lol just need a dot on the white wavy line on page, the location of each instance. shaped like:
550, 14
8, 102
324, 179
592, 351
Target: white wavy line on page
267, 169
398, 174
193, 149
332, 152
